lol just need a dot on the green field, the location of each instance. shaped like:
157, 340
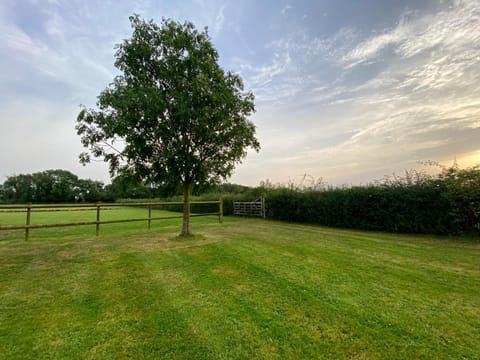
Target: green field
245, 289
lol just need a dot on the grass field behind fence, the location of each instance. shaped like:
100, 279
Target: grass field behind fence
241, 290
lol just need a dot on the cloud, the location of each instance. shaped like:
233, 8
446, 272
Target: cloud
268, 80
21, 50
451, 28
14, 39
286, 9
55, 26
371, 47
67, 50
219, 20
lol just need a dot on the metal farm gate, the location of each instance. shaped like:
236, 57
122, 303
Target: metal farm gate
250, 208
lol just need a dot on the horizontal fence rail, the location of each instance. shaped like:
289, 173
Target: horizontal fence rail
98, 207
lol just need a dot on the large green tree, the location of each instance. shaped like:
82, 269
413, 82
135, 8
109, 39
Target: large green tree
173, 116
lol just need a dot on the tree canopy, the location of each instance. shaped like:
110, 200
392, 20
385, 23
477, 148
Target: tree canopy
173, 116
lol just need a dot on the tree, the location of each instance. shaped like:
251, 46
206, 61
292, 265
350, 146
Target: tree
88, 190
173, 116
19, 189
53, 186
125, 187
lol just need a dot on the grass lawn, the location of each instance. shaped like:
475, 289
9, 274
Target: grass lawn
246, 289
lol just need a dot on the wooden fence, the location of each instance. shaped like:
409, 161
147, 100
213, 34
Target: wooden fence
30, 208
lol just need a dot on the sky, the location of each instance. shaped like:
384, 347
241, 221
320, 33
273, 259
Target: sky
345, 91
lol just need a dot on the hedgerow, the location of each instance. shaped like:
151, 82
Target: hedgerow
446, 204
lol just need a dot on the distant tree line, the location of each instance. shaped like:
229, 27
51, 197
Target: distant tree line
50, 186
62, 186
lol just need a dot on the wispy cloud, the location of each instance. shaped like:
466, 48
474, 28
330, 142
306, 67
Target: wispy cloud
17, 40
371, 47
219, 20
452, 28
62, 54
268, 80
285, 9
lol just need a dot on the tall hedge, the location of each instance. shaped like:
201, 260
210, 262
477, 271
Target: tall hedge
414, 209
448, 204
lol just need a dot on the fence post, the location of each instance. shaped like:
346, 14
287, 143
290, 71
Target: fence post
98, 220
220, 211
27, 223
149, 215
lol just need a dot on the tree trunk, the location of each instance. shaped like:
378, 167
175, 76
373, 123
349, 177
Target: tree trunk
186, 210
